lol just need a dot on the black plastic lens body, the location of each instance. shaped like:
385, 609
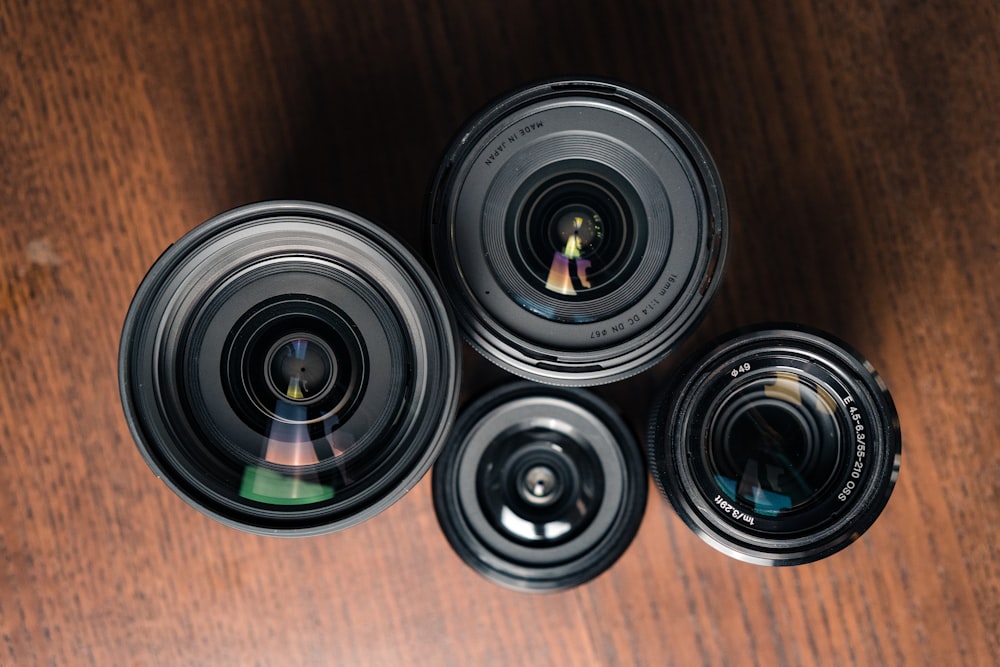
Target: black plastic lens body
540, 488
289, 368
779, 446
580, 228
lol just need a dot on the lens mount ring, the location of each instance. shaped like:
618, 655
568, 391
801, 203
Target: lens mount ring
583, 320
577, 448
813, 457
384, 366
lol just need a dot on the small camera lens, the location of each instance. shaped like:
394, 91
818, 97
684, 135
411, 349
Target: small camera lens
779, 446
288, 368
539, 488
581, 228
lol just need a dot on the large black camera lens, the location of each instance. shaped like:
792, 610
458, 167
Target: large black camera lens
289, 368
540, 488
580, 227
779, 446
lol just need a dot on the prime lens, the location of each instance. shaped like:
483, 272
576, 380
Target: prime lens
779, 445
540, 488
288, 368
580, 227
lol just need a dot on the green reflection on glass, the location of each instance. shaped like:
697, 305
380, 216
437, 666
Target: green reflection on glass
269, 486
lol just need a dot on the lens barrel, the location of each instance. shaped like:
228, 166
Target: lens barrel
289, 368
580, 228
540, 488
778, 446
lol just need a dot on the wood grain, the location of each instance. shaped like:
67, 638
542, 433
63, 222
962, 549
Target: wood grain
860, 147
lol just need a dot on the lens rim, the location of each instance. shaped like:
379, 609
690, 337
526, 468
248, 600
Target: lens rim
509, 412
319, 241
676, 288
824, 525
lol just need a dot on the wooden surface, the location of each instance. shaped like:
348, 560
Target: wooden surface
860, 146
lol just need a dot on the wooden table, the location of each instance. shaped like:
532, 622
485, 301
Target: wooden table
860, 147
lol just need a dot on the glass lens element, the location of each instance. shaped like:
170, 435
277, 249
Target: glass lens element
778, 445
574, 236
301, 368
581, 228
775, 443
288, 368
539, 486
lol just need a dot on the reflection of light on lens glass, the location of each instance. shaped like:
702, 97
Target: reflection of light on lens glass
766, 502
298, 351
532, 531
568, 264
825, 403
786, 387
287, 444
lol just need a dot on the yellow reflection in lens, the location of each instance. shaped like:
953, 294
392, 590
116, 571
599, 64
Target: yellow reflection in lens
294, 388
560, 278
574, 244
825, 403
786, 387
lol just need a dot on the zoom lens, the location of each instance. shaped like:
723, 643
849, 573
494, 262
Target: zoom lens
288, 368
580, 228
540, 488
779, 446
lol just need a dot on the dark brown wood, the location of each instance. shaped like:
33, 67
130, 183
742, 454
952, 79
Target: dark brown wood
860, 146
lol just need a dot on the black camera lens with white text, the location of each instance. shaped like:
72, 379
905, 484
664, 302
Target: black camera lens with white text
580, 228
779, 446
288, 368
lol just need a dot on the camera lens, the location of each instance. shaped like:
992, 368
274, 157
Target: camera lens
540, 488
288, 368
779, 446
580, 228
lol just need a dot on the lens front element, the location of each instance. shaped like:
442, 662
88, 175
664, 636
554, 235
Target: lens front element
774, 443
539, 488
580, 228
779, 446
301, 368
288, 368
574, 239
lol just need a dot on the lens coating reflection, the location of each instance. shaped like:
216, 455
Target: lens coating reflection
779, 445
288, 368
774, 444
301, 368
538, 485
575, 236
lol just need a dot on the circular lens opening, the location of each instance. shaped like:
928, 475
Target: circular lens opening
539, 486
774, 445
288, 368
575, 238
294, 359
778, 446
301, 368
580, 228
